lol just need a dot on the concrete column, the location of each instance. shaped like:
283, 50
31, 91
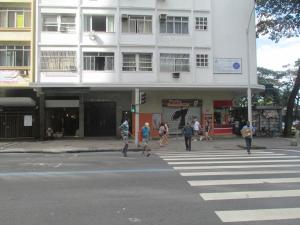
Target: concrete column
81, 116
42, 115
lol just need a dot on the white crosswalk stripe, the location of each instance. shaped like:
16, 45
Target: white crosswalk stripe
232, 162
218, 158
250, 194
236, 169
259, 214
220, 173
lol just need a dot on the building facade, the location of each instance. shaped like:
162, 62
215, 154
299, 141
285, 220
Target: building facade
17, 47
96, 57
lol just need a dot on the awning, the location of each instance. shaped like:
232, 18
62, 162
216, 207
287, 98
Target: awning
17, 102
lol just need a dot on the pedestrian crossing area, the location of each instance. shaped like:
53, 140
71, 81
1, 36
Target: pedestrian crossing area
263, 186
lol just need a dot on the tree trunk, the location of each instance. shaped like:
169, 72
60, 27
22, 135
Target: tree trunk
290, 106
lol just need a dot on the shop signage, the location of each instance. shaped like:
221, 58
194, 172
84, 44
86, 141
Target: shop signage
227, 65
28, 121
181, 103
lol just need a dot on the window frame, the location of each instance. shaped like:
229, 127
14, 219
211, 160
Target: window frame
61, 27
202, 60
137, 19
137, 63
174, 58
174, 21
90, 58
15, 12
60, 58
13, 51
88, 21
201, 25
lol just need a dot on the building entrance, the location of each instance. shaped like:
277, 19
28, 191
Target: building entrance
99, 119
63, 121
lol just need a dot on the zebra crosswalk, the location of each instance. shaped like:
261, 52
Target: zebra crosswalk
236, 179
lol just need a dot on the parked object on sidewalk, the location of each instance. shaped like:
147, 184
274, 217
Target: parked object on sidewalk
125, 134
188, 133
247, 133
145, 139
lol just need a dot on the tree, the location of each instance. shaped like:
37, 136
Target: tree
278, 19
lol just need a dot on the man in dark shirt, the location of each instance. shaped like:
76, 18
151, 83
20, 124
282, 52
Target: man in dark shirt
188, 133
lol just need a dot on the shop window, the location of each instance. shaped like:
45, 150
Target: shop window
222, 116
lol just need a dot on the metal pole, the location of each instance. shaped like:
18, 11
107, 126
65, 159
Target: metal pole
137, 116
249, 91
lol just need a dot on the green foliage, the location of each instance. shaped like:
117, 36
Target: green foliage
278, 86
278, 18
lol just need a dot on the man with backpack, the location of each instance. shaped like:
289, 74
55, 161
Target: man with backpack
145, 139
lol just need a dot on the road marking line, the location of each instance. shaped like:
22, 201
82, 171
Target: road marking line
222, 173
258, 215
196, 183
224, 158
234, 162
234, 167
212, 153
220, 155
68, 173
250, 194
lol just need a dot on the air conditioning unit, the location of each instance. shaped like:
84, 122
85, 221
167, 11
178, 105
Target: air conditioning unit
176, 75
163, 16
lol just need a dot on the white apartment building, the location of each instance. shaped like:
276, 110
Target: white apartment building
95, 57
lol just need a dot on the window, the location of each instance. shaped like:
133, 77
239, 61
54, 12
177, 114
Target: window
15, 18
14, 55
202, 60
137, 24
174, 25
98, 61
63, 23
58, 61
174, 62
98, 23
137, 62
201, 23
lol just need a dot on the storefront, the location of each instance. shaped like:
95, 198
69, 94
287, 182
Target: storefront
222, 117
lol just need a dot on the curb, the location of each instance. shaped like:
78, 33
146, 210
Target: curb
57, 151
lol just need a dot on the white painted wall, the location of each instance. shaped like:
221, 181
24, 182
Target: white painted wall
225, 38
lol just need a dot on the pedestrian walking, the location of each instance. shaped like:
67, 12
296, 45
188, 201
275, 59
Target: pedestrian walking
188, 132
207, 130
247, 133
162, 131
166, 134
145, 139
197, 128
125, 134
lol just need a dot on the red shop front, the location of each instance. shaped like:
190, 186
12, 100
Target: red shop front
222, 117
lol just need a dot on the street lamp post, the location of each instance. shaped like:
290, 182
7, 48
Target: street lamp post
249, 91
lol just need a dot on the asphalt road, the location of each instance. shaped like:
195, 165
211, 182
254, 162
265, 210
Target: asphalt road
203, 188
